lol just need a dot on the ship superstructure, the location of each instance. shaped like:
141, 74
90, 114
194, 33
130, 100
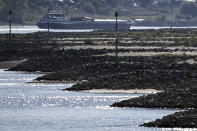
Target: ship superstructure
55, 20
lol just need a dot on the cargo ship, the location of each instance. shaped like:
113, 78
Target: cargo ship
55, 20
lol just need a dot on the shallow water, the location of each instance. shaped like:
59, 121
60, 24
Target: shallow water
33, 28
33, 106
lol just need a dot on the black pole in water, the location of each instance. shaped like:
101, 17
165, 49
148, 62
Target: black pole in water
116, 15
10, 27
171, 13
48, 20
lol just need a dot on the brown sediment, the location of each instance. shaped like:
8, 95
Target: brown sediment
148, 91
11, 64
184, 119
154, 59
173, 98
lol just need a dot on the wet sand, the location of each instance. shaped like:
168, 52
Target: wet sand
161, 60
10, 64
123, 91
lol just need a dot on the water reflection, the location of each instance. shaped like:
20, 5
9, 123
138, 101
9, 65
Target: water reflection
33, 106
32, 29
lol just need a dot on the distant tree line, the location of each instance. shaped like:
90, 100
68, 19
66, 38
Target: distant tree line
189, 9
95, 6
17, 7
31, 10
21, 9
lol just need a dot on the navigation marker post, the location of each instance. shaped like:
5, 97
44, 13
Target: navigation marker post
116, 15
10, 27
171, 13
48, 20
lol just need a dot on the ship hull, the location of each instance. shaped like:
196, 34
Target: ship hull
86, 25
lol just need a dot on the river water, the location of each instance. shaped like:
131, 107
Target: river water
34, 28
26, 106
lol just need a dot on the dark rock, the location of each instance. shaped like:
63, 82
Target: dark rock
172, 98
185, 119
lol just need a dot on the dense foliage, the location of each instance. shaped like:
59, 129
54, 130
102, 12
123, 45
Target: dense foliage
18, 8
189, 9
22, 9
27, 11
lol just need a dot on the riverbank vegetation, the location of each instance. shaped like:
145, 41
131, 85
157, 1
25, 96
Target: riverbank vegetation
28, 11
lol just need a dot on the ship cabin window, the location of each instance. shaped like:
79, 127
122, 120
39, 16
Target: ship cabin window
56, 15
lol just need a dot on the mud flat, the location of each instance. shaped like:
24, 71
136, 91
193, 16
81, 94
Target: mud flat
185, 119
148, 91
177, 98
161, 60
140, 73
10, 64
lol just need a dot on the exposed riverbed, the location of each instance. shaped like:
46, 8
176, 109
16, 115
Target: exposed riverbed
88, 58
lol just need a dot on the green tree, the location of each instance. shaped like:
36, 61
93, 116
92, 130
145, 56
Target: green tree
161, 19
17, 7
23, 10
88, 7
189, 9
144, 3
95, 6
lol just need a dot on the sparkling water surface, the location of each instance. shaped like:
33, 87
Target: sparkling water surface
20, 29
33, 28
26, 106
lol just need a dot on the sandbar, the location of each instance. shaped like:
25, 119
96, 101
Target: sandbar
123, 91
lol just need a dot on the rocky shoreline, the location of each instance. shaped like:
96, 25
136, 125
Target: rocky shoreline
148, 59
185, 119
173, 98
185, 98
